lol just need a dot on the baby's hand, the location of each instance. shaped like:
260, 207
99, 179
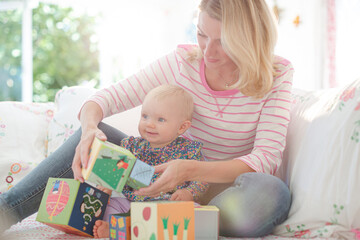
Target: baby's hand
182, 195
104, 189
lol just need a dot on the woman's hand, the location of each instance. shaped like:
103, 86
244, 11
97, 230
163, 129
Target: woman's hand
172, 173
81, 156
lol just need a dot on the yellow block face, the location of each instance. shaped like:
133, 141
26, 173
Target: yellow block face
162, 220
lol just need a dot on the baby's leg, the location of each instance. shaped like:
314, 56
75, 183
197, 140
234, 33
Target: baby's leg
116, 205
101, 229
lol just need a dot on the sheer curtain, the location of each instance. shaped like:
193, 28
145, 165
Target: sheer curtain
321, 39
347, 41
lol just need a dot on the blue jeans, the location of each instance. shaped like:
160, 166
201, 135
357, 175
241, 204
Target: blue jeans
253, 205
24, 198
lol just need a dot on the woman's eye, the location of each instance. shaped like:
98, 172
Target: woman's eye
161, 120
200, 34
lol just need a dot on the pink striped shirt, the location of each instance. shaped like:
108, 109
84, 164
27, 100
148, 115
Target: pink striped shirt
228, 123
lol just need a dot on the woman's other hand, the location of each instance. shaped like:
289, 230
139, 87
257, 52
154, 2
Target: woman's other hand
172, 174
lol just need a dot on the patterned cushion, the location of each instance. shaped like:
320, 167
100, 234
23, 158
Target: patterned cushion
23, 129
322, 164
68, 102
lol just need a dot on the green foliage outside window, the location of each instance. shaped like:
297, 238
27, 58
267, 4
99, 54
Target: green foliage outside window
65, 50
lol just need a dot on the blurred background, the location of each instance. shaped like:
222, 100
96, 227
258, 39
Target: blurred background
48, 44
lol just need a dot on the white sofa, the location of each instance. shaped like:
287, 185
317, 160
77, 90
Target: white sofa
321, 161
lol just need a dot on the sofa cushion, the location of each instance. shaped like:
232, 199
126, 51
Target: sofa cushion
322, 164
68, 103
23, 129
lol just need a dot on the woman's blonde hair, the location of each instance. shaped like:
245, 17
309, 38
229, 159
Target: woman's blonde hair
248, 36
184, 99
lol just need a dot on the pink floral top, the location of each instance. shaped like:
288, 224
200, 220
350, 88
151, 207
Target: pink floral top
180, 148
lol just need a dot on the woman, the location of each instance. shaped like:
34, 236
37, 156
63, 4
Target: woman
241, 94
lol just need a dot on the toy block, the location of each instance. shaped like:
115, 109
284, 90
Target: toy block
120, 226
109, 165
72, 206
140, 175
206, 222
162, 220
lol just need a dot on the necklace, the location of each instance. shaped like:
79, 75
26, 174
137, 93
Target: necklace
228, 84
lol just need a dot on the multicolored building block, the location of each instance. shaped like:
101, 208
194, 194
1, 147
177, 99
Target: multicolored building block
140, 175
120, 228
206, 222
72, 206
163, 220
112, 166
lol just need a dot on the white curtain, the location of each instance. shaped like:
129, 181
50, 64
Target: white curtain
324, 46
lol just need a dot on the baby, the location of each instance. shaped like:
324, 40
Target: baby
165, 115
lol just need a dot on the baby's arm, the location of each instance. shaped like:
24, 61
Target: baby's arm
182, 195
197, 188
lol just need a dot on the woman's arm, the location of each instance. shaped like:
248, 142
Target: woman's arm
90, 116
176, 172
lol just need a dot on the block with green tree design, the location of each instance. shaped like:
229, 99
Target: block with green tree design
111, 165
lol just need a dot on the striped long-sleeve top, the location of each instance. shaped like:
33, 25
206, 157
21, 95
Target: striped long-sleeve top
229, 124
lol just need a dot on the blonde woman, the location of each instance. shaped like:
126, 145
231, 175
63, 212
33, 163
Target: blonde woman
241, 93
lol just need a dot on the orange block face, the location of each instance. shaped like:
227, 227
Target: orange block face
162, 220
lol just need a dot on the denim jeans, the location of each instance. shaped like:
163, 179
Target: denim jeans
24, 198
253, 205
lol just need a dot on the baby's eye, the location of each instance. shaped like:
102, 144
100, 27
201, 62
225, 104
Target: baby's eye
144, 116
161, 120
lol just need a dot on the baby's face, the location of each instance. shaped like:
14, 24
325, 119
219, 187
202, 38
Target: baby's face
161, 121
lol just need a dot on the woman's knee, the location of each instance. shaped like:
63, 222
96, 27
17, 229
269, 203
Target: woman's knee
253, 205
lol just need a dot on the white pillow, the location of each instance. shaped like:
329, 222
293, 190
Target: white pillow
322, 164
68, 102
23, 129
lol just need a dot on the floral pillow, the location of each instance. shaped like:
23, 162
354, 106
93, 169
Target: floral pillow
322, 164
23, 129
68, 102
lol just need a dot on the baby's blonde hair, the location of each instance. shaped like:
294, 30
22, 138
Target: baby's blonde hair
248, 36
184, 98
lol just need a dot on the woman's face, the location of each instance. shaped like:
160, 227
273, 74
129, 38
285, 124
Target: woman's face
209, 39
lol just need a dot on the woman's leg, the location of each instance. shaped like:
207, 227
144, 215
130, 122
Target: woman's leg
24, 198
253, 205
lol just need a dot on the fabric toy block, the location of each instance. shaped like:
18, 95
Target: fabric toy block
72, 206
162, 220
109, 165
206, 222
120, 226
140, 175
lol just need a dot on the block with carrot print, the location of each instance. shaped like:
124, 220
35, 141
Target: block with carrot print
72, 206
163, 220
120, 226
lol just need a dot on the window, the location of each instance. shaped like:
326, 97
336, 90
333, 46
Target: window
67, 43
